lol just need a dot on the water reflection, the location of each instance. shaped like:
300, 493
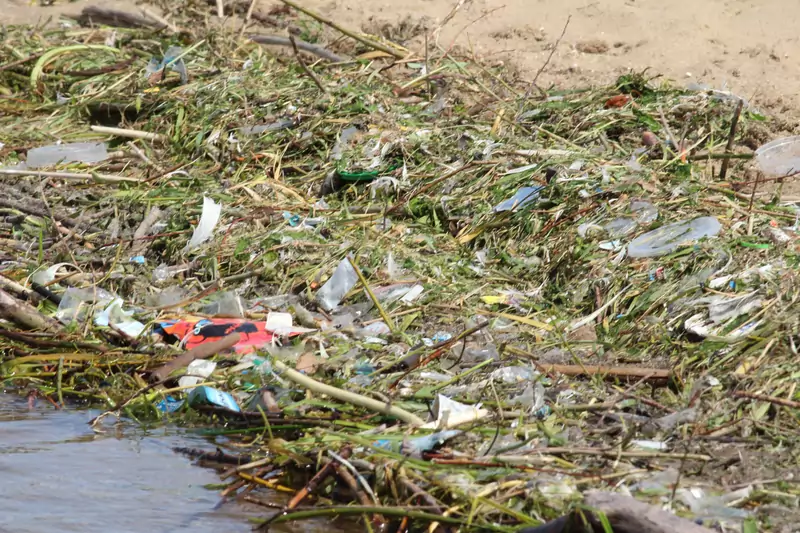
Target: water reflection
58, 475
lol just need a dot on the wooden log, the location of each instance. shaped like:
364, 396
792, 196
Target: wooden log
625, 514
203, 351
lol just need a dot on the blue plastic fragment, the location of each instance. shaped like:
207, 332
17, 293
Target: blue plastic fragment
169, 405
210, 396
139, 259
441, 336
293, 220
177, 66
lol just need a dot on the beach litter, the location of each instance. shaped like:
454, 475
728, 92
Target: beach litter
412, 293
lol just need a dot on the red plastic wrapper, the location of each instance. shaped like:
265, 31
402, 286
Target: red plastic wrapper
194, 332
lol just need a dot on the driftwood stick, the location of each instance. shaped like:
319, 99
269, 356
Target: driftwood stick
312, 485
770, 399
25, 315
317, 50
723, 171
372, 44
204, 351
609, 372
308, 71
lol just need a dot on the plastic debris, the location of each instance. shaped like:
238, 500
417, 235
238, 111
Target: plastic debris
669, 238
44, 277
415, 447
715, 507
449, 413
191, 333
344, 278
169, 405
644, 211
619, 227
196, 372
209, 396
780, 157
521, 198
54, 154
264, 128
119, 319
155, 66
75, 304
208, 221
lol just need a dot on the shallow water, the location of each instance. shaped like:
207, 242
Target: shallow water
56, 474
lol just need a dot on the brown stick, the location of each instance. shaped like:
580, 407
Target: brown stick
547, 62
308, 71
324, 472
723, 171
341, 471
609, 372
113, 17
203, 351
25, 315
765, 398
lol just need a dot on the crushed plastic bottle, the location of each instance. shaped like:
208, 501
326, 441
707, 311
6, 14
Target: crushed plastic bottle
715, 507
46, 156
343, 279
76, 302
669, 238
780, 157
475, 353
227, 303
619, 227
645, 211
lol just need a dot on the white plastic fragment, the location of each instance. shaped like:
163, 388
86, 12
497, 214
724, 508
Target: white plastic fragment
197, 370
43, 277
114, 315
277, 321
343, 279
208, 221
413, 293
449, 413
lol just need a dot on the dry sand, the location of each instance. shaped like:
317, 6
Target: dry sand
751, 47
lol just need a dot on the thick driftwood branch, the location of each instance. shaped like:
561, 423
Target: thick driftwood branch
625, 514
203, 351
25, 315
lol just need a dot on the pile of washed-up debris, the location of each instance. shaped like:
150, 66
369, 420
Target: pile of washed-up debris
462, 305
